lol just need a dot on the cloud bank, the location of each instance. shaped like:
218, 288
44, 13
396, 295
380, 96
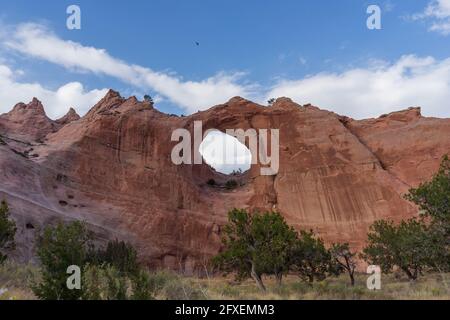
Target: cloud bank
368, 91
37, 41
438, 13
379, 88
56, 102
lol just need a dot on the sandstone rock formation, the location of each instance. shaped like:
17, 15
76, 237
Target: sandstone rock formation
70, 116
113, 169
27, 122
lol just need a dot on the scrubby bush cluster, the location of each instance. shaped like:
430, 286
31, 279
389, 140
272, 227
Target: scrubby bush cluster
420, 244
7, 231
263, 244
111, 273
231, 184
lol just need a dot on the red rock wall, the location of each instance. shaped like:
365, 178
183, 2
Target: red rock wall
112, 168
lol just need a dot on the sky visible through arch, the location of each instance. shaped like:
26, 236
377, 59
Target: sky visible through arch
225, 153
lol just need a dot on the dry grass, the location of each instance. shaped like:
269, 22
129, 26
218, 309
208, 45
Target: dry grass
17, 278
430, 287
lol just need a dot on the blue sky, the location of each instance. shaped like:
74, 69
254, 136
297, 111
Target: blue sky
318, 52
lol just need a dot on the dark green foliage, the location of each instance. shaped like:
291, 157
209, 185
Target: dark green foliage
276, 240
239, 253
236, 172
58, 248
148, 99
211, 182
7, 231
311, 260
105, 282
106, 274
92, 283
116, 284
271, 101
433, 198
405, 246
344, 260
143, 286
118, 254
231, 184
255, 245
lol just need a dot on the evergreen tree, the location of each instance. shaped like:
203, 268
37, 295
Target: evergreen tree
255, 245
405, 246
7, 231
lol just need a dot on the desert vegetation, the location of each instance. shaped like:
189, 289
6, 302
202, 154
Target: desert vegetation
174, 286
263, 244
7, 232
262, 258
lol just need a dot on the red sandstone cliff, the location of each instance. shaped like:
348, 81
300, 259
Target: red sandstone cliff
113, 169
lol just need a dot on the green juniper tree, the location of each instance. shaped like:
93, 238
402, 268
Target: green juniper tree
311, 260
405, 246
7, 231
58, 248
255, 245
148, 99
433, 198
344, 259
276, 241
118, 254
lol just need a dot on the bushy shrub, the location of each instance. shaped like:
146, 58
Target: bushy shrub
344, 260
106, 282
406, 246
118, 254
58, 248
93, 284
433, 198
255, 245
148, 99
142, 286
231, 184
310, 259
7, 231
110, 273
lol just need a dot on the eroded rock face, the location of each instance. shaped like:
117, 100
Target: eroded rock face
113, 169
408, 145
27, 122
70, 116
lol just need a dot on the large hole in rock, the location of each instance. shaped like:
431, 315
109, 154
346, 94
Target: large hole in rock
225, 153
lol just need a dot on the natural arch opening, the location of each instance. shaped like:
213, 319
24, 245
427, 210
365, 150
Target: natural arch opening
225, 153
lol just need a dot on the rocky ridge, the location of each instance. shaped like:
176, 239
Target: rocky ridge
112, 168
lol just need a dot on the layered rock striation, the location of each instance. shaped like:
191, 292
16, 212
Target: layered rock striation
113, 169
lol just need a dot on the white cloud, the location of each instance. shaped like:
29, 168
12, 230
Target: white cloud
377, 89
438, 13
37, 41
370, 91
56, 102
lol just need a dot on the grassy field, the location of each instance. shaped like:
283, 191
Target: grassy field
17, 278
